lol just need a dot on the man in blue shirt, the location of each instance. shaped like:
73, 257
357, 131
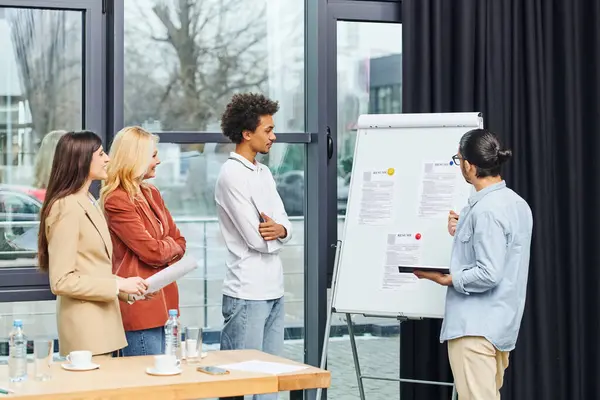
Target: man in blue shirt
489, 264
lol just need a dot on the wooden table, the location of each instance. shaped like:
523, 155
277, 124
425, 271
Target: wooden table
126, 378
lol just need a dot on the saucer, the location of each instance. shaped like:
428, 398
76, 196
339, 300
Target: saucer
194, 360
154, 371
88, 367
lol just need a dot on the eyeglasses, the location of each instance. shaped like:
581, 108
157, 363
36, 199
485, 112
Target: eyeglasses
456, 159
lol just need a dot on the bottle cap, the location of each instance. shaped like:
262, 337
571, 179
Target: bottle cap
17, 323
172, 313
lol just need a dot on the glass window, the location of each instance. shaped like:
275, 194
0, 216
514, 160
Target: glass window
369, 81
385, 99
39, 319
41, 91
184, 60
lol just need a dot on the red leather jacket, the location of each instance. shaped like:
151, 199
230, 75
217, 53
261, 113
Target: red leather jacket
145, 240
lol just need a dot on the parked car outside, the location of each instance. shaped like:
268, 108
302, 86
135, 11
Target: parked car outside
290, 186
19, 210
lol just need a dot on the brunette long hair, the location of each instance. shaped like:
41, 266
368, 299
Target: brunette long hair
70, 171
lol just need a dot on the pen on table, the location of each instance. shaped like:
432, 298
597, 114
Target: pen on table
5, 391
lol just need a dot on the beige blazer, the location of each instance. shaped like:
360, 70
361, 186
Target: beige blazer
80, 269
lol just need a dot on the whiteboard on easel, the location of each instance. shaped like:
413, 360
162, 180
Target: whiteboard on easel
403, 185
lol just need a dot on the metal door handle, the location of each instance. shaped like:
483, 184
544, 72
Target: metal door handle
329, 144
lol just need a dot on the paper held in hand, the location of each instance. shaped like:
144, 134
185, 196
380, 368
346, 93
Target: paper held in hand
170, 274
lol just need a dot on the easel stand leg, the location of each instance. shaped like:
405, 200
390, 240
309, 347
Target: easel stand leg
361, 389
325, 345
330, 312
399, 358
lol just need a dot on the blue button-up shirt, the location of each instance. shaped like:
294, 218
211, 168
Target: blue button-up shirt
489, 267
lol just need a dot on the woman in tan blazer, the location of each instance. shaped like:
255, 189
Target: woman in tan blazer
75, 248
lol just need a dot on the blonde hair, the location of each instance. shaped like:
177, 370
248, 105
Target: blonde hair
44, 158
130, 156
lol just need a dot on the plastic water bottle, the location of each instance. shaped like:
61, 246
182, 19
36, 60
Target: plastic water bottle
173, 335
17, 353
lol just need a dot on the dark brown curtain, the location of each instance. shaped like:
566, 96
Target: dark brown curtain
532, 67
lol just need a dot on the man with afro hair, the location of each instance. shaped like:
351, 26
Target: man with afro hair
255, 227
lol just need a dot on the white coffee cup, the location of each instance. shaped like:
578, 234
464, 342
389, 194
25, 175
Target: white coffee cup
166, 363
81, 358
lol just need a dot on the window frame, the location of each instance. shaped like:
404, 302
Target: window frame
181, 137
116, 75
26, 282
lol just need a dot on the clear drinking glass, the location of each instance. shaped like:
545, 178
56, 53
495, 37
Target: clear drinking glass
193, 343
43, 350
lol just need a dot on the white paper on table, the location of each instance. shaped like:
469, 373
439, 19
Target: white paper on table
264, 367
170, 274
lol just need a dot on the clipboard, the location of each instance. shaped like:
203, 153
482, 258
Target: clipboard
409, 269
261, 219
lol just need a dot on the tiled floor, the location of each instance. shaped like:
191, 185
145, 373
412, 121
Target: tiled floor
377, 357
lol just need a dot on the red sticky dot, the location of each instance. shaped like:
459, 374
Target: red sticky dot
418, 236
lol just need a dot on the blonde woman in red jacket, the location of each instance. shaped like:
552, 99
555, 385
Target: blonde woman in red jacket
145, 238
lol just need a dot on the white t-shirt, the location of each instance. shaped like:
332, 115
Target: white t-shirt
243, 190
